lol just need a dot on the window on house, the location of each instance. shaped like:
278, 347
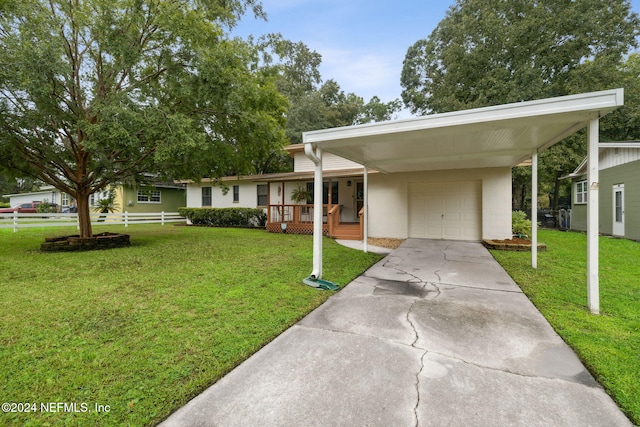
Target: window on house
149, 196
236, 194
206, 196
325, 192
262, 194
92, 199
581, 192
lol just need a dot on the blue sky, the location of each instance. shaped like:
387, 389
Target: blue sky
362, 42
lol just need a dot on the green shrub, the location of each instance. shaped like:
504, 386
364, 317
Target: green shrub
520, 225
225, 217
45, 207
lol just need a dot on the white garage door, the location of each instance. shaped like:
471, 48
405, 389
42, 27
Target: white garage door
445, 210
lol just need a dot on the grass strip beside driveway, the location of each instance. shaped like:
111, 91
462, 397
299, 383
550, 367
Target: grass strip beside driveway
609, 343
126, 336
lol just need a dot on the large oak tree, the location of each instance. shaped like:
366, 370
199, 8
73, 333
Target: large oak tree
490, 52
102, 92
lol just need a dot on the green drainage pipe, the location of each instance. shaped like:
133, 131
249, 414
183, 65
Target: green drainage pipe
320, 283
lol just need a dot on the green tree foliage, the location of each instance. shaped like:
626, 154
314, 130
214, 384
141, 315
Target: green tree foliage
95, 92
490, 52
328, 106
10, 184
315, 104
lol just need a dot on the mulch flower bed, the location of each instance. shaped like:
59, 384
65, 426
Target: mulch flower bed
517, 244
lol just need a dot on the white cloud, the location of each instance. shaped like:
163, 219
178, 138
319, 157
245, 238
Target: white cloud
364, 73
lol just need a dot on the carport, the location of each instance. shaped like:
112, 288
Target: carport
492, 137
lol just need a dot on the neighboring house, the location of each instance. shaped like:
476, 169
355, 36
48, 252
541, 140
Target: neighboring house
157, 198
47, 193
619, 206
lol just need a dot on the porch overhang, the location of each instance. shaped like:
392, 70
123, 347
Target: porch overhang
499, 136
307, 176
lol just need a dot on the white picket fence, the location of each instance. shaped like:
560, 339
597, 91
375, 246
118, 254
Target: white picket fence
22, 220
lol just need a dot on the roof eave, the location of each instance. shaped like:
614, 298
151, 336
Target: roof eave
602, 102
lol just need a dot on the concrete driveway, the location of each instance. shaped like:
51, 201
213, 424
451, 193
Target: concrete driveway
435, 334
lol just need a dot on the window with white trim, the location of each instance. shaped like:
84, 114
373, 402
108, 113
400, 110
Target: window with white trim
581, 192
236, 193
149, 196
206, 196
262, 194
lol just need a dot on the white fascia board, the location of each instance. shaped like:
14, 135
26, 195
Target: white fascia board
582, 165
32, 193
606, 100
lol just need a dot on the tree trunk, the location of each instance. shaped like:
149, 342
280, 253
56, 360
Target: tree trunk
84, 215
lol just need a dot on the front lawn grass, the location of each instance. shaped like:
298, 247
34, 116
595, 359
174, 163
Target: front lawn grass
609, 343
144, 329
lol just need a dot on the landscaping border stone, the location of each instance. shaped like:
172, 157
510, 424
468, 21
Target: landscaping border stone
508, 246
76, 243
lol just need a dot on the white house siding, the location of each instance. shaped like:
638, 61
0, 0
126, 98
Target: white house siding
612, 157
248, 195
330, 162
283, 196
52, 196
194, 195
389, 200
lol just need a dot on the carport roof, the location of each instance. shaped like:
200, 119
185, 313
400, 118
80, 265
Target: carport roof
499, 136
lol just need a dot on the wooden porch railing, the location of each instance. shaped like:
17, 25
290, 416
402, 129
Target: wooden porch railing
297, 214
333, 219
298, 219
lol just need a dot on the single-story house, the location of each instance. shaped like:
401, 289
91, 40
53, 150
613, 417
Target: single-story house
46, 193
452, 183
619, 208
342, 195
441, 176
156, 198
448, 175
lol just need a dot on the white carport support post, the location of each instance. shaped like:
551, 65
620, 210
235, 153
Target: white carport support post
316, 157
534, 210
365, 203
593, 180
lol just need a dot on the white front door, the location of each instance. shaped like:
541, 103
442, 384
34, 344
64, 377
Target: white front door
618, 210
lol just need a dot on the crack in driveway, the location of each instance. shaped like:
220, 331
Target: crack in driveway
424, 353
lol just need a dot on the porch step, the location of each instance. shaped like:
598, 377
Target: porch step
347, 232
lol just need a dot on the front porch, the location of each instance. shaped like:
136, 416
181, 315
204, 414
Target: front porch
298, 219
